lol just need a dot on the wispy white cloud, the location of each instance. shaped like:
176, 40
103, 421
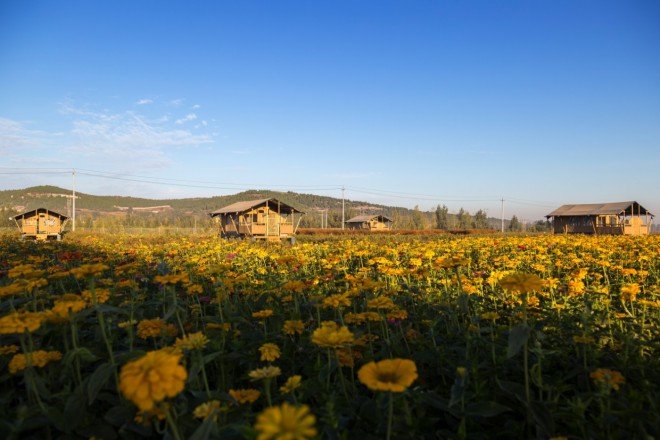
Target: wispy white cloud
188, 117
114, 137
144, 101
176, 102
196, 106
15, 134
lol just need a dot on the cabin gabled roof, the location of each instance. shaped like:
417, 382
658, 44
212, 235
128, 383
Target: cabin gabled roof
38, 211
239, 207
612, 208
366, 218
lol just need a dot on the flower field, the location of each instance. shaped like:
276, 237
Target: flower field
109, 337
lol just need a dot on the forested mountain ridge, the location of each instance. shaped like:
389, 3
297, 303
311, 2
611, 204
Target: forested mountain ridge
135, 211
55, 198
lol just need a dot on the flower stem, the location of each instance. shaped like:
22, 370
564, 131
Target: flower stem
390, 414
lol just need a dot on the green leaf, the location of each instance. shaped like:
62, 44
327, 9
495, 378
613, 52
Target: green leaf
170, 311
75, 409
485, 409
204, 431
517, 338
464, 303
129, 356
98, 379
543, 418
436, 401
56, 417
457, 392
119, 415
209, 357
81, 353
513, 388
194, 369
98, 430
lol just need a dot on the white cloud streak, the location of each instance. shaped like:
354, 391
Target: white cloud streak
129, 138
14, 135
188, 117
144, 101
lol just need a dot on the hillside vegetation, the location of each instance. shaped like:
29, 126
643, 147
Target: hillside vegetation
107, 211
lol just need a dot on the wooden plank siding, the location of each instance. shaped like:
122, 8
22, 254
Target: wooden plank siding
41, 224
370, 222
267, 219
618, 218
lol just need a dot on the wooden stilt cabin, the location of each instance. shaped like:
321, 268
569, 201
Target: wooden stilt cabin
370, 222
41, 224
618, 218
267, 219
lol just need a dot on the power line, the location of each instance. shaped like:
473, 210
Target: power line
239, 186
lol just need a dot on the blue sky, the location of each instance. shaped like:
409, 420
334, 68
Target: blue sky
409, 103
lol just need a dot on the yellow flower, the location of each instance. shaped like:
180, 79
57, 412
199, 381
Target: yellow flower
19, 322
89, 270
16, 287
331, 336
382, 302
126, 324
286, 422
194, 289
209, 409
269, 352
294, 286
25, 271
242, 396
521, 282
360, 318
225, 327
608, 378
575, 287
171, 278
337, 301
8, 349
152, 378
38, 358
394, 375
192, 341
451, 262
291, 327
629, 292
264, 373
291, 384
346, 357
102, 296
145, 417
490, 316
397, 315
262, 314
68, 302
151, 328
583, 339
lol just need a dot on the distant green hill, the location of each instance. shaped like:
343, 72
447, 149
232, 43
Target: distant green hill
55, 198
152, 212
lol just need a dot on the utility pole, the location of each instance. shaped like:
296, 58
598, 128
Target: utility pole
343, 204
502, 215
73, 217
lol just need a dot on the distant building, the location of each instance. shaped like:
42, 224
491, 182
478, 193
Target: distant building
267, 219
618, 218
41, 224
370, 222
